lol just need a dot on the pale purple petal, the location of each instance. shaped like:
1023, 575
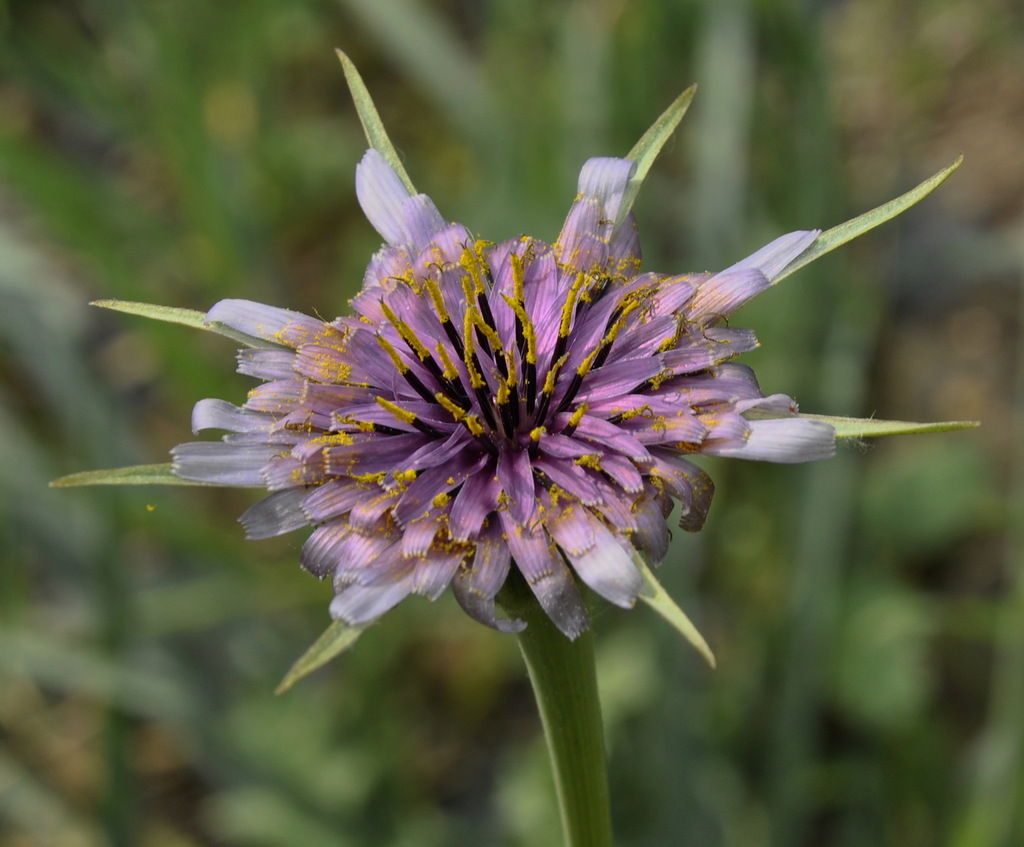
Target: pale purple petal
280, 326
772, 259
607, 567
219, 414
786, 440
359, 604
277, 514
605, 179
223, 463
397, 216
434, 572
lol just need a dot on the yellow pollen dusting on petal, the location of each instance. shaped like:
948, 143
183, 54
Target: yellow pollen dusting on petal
644, 411
404, 476
334, 439
590, 460
441, 500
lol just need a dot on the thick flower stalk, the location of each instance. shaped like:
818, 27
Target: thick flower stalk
497, 406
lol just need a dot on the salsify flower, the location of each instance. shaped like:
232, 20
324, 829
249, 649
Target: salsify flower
490, 407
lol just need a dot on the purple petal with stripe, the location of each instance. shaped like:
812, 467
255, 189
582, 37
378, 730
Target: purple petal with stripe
548, 576
476, 585
277, 514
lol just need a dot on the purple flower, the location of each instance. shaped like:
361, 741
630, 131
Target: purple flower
491, 406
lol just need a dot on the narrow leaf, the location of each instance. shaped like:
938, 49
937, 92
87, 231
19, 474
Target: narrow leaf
373, 126
185, 317
658, 599
871, 428
647, 148
839, 235
136, 475
337, 638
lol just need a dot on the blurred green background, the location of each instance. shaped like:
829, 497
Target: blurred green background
868, 612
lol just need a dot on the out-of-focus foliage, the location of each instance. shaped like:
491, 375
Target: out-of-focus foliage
867, 613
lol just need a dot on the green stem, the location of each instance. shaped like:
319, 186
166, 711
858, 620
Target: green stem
565, 684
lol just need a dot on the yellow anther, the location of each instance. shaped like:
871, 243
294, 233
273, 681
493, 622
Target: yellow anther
476, 379
537, 432
570, 303
450, 405
447, 365
404, 415
549, 380
577, 416
405, 331
529, 333
401, 366
437, 299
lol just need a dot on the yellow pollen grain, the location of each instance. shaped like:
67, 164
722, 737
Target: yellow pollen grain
441, 500
590, 460
404, 476
537, 432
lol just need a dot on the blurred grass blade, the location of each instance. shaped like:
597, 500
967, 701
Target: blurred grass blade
185, 317
658, 599
135, 475
839, 235
871, 428
337, 638
646, 150
373, 126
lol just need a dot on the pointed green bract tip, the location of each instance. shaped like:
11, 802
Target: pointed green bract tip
336, 639
646, 150
373, 126
659, 599
135, 475
839, 235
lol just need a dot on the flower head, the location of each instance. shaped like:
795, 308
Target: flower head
497, 406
